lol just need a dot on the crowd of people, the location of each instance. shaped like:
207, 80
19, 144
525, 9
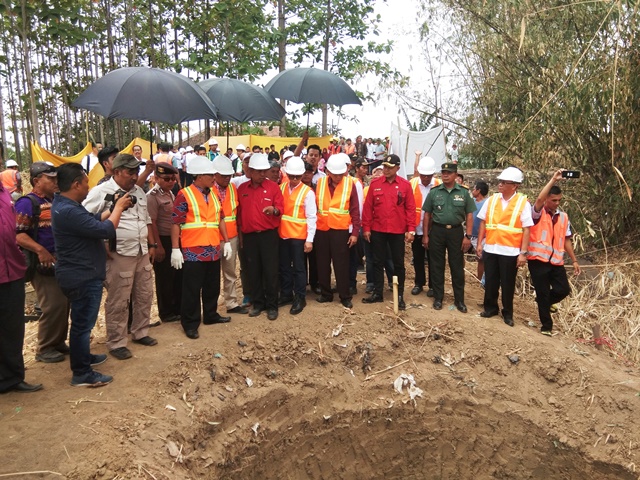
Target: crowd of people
180, 222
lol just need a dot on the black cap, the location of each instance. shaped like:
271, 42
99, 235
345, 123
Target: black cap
392, 160
42, 168
449, 167
164, 168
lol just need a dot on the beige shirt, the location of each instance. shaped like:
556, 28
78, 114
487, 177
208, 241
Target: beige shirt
131, 234
160, 206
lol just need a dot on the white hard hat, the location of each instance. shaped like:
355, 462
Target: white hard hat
511, 174
11, 163
336, 164
181, 150
295, 166
240, 147
427, 166
259, 161
213, 141
222, 165
287, 154
200, 166
189, 149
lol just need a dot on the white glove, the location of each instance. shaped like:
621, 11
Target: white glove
227, 251
176, 258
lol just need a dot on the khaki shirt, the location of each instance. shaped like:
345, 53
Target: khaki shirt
131, 234
160, 206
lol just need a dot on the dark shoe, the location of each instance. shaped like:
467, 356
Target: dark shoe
298, 306
121, 353
317, 290
416, 290
92, 379
430, 293
218, 319
25, 387
508, 321
50, 356
98, 359
239, 309
374, 298
255, 311
63, 348
324, 299
369, 289
146, 341
461, 307
155, 324
192, 334
437, 304
246, 301
401, 304
353, 290
488, 313
285, 301
272, 314
171, 318
346, 303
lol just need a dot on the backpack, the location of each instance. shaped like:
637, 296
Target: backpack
32, 257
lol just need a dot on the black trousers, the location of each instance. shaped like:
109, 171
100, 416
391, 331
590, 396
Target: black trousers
419, 254
552, 285
500, 273
261, 254
199, 278
11, 334
168, 283
443, 242
293, 268
312, 267
380, 242
331, 247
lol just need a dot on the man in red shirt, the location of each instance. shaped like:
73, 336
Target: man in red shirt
260, 205
389, 219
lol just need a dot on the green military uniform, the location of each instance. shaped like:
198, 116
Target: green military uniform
449, 209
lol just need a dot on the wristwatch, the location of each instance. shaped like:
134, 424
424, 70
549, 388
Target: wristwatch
467, 236
152, 245
411, 233
524, 252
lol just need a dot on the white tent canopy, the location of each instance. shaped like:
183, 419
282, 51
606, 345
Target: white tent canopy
404, 143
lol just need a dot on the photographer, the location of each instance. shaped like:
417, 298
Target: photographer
129, 262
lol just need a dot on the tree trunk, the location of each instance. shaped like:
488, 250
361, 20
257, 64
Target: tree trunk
26, 49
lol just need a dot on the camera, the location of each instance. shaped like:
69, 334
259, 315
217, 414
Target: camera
113, 197
570, 174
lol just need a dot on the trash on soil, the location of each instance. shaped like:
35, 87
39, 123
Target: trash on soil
326, 417
405, 380
217, 355
337, 330
170, 407
249, 382
416, 335
255, 428
214, 423
514, 359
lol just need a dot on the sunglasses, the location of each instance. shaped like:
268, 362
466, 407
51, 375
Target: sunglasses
169, 179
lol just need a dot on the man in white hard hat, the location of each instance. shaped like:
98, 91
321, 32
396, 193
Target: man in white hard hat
259, 211
11, 180
228, 195
338, 211
199, 228
213, 149
421, 185
237, 161
505, 223
297, 231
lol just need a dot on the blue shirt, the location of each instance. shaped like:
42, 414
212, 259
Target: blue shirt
80, 250
476, 220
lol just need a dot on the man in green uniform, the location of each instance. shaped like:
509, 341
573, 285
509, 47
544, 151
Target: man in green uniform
446, 208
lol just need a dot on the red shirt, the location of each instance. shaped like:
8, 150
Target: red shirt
12, 264
389, 207
251, 202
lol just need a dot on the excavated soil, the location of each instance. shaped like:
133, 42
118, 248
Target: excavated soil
312, 396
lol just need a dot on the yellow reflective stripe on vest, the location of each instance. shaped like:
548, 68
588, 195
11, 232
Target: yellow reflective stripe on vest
231, 192
517, 211
198, 223
415, 181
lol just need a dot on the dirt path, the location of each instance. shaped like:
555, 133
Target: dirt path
288, 400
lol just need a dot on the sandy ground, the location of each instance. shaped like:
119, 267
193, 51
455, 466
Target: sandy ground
312, 396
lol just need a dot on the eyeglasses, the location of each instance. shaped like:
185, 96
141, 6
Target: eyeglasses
294, 176
504, 182
169, 179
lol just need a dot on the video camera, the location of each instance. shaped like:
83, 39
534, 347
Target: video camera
113, 197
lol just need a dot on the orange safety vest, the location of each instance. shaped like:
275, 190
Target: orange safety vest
333, 212
230, 209
9, 180
293, 222
504, 227
546, 241
417, 195
203, 220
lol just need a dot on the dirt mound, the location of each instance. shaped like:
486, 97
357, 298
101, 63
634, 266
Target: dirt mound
313, 396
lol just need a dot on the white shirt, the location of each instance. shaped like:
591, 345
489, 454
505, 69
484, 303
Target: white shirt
310, 210
187, 158
237, 181
424, 191
89, 162
371, 151
317, 176
525, 219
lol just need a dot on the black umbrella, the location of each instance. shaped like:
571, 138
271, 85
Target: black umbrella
151, 94
311, 85
239, 101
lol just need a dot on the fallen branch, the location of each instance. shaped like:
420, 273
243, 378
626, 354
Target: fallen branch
147, 471
37, 472
78, 402
386, 369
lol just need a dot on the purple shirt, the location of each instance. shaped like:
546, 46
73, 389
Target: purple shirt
24, 220
12, 263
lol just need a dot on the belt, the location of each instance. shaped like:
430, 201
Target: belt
448, 227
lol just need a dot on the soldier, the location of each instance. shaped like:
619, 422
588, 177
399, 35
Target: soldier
450, 206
